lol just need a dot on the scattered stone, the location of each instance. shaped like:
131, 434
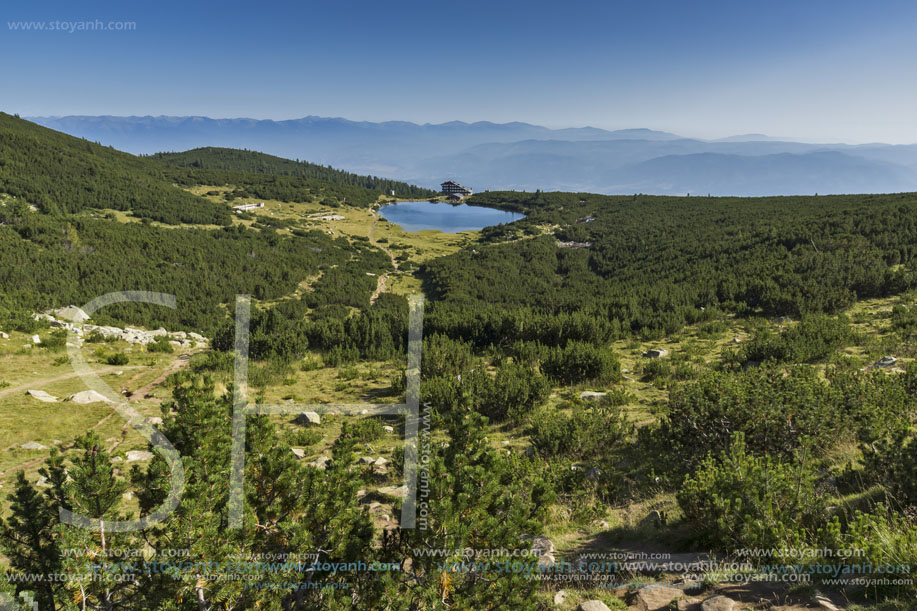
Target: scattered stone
546, 560
593, 605
657, 598
589, 395
559, 597
127, 495
36, 339
117, 459
42, 481
4, 335
718, 603
380, 462
320, 463
656, 353
544, 549
689, 604
399, 492
367, 460
89, 396
886, 361
299, 453
824, 603
388, 429
71, 313
306, 418
33, 445
197, 337
736, 340
154, 421
137, 455
42, 396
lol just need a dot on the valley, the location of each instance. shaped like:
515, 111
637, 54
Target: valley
670, 381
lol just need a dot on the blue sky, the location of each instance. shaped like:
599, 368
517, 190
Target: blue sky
816, 70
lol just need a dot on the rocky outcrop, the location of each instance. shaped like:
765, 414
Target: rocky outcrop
397, 492
718, 603
138, 455
886, 361
657, 597
71, 314
88, 396
308, 418
42, 396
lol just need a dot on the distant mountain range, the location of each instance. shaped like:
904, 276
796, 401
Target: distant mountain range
521, 156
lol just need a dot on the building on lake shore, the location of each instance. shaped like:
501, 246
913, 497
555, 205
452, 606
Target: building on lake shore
450, 187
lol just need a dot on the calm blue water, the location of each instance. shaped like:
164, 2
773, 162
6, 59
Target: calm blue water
421, 216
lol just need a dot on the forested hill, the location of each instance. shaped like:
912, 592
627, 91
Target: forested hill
61, 174
237, 160
649, 265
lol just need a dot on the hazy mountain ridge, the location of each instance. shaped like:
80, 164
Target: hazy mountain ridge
519, 155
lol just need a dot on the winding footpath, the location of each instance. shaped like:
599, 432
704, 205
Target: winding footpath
382, 281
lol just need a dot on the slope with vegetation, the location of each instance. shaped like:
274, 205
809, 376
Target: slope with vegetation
609, 372
265, 176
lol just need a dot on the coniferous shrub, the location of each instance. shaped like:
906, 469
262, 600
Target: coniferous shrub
737, 500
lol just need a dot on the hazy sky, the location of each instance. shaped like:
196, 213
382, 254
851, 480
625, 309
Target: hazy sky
808, 69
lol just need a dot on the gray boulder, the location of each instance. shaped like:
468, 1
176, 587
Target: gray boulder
886, 361
718, 603
89, 396
307, 418
399, 492
42, 396
656, 598
138, 455
71, 314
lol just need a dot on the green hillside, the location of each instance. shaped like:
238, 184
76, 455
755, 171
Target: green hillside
61, 174
270, 177
650, 265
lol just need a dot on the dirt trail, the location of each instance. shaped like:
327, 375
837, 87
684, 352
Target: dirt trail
382, 282
179, 363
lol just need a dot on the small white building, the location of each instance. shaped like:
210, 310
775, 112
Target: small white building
246, 207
